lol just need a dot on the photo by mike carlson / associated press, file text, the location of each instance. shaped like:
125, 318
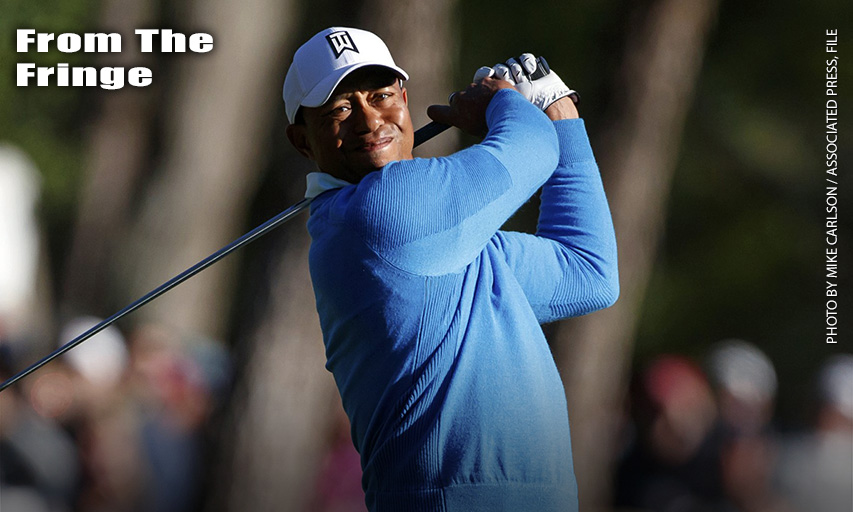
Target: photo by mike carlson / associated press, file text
832, 179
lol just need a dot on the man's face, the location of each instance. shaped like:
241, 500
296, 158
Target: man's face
363, 126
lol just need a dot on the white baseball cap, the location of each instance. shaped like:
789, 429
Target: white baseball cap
320, 64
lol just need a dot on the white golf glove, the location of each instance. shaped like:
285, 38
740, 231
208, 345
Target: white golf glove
531, 77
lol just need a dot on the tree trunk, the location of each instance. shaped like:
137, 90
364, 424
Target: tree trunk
216, 124
119, 143
283, 407
637, 158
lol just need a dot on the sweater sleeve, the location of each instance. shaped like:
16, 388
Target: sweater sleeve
569, 267
434, 216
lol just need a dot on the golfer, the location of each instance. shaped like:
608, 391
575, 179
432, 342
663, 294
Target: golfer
430, 313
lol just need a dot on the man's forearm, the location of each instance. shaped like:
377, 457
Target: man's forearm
564, 108
574, 210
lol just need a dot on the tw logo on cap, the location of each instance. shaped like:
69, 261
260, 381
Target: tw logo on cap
341, 42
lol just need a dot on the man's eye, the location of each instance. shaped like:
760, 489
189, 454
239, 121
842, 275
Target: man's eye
338, 111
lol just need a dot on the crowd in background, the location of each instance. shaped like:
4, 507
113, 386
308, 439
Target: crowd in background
122, 424
701, 437
113, 425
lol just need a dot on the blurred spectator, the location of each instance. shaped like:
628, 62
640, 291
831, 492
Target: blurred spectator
672, 464
39, 466
105, 423
112, 429
816, 470
100, 360
745, 383
179, 383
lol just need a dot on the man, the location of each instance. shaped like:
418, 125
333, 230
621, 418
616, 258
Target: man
430, 313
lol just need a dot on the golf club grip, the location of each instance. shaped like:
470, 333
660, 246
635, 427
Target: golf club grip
422, 135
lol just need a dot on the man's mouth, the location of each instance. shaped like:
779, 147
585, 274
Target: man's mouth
377, 145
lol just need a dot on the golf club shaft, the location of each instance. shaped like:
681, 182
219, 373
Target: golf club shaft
429, 131
422, 135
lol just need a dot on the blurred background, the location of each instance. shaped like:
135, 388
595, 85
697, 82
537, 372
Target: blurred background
707, 387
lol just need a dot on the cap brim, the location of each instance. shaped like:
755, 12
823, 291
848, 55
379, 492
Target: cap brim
321, 93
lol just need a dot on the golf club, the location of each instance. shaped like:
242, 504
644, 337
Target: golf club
422, 135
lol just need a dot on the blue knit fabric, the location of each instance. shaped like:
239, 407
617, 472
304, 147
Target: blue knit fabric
431, 315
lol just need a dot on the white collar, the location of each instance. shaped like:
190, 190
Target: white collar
319, 182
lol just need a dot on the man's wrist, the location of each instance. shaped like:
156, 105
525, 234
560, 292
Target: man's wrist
496, 106
563, 108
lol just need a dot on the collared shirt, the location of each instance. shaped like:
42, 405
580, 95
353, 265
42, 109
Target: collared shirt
319, 182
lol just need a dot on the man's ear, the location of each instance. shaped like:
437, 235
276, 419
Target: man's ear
405, 95
297, 136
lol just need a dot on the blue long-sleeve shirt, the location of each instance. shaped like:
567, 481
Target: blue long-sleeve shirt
431, 314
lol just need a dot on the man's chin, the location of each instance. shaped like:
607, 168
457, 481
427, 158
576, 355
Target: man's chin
365, 166
363, 163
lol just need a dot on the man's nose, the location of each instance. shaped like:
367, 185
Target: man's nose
367, 119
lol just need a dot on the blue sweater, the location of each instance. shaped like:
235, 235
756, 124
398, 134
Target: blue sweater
431, 314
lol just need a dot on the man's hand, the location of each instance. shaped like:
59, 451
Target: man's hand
533, 78
467, 110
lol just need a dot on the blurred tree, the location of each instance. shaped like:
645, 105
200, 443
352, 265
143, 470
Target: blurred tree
215, 117
660, 69
742, 255
119, 149
282, 408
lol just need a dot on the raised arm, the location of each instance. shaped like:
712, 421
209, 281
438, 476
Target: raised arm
569, 267
434, 216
